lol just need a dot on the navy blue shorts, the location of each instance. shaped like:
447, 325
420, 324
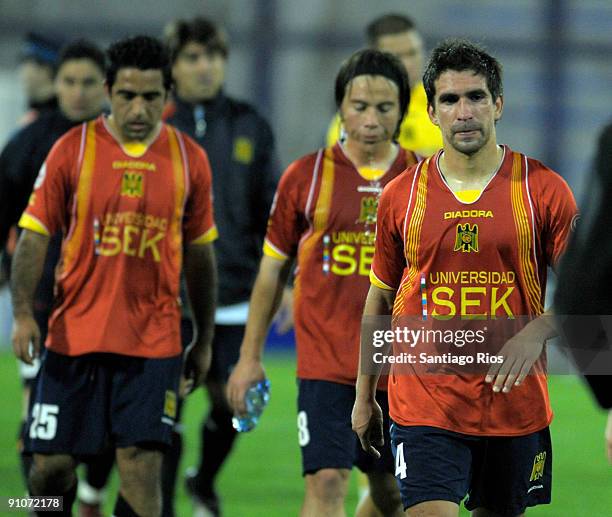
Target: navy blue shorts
82, 403
502, 474
324, 429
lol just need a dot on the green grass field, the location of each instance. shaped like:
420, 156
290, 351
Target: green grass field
263, 475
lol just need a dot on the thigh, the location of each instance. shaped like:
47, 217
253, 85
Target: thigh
144, 401
514, 473
369, 464
324, 425
431, 464
226, 350
68, 406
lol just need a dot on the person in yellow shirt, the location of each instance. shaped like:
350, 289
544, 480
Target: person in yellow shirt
398, 35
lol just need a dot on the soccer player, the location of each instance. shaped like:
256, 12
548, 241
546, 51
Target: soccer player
240, 146
133, 197
400, 36
324, 217
474, 207
79, 84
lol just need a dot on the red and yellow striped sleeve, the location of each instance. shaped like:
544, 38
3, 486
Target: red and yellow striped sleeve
198, 221
47, 211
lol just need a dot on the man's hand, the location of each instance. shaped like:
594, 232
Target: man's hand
520, 353
284, 315
367, 422
609, 437
196, 365
26, 332
246, 373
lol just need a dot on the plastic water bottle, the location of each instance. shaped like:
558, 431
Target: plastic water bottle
256, 399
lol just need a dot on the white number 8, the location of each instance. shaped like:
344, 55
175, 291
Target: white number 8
44, 421
303, 433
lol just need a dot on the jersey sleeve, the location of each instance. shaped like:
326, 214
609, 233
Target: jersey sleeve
287, 221
388, 264
560, 215
198, 221
47, 209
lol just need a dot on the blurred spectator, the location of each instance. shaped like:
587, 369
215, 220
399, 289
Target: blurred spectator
240, 146
37, 66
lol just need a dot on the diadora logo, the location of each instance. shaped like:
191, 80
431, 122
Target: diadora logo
132, 184
467, 238
474, 214
538, 466
367, 213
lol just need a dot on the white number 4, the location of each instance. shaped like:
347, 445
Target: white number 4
400, 464
44, 421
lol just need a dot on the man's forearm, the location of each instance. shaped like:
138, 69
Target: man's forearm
265, 300
378, 303
26, 270
201, 278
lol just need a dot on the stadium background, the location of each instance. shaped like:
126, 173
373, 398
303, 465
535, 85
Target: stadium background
283, 57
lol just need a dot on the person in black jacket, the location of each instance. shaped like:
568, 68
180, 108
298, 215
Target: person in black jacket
37, 67
583, 299
240, 146
79, 85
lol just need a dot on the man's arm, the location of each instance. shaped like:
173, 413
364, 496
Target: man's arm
26, 271
367, 416
520, 352
265, 299
200, 270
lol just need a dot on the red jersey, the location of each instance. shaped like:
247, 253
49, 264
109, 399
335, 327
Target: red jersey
125, 218
324, 214
484, 259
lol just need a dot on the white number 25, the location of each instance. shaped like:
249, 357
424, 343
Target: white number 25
44, 421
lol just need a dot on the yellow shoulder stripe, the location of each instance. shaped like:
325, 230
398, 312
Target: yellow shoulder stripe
374, 280
271, 251
207, 237
28, 222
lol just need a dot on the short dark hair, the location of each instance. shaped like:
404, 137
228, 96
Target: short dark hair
141, 52
199, 30
460, 55
40, 49
82, 49
374, 62
388, 24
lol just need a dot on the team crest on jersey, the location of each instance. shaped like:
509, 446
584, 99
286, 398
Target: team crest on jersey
538, 466
132, 184
367, 213
467, 238
243, 150
170, 404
